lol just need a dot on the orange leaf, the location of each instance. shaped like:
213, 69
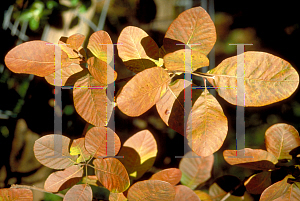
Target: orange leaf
143, 91
204, 137
185, 193
261, 159
257, 183
78, 148
151, 190
61, 180
193, 26
137, 49
81, 192
53, 156
280, 139
117, 197
10, 194
195, 171
139, 153
171, 175
72, 44
96, 141
267, 79
112, 174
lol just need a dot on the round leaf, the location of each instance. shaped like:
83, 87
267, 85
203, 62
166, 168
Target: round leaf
117, 197
267, 79
171, 175
257, 183
203, 195
72, 44
185, 193
16, 194
81, 192
78, 148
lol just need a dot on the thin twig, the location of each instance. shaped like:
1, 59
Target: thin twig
36, 188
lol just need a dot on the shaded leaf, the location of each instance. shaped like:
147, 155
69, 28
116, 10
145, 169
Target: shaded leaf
175, 61
171, 175
91, 180
193, 26
81, 192
90, 101
151, 190
35, 57
53, 156
96, 141
139, 153
204, 137
117, 197
99, 71
280, 139
257, 183
218, 193
202, 195
112, 174
259, 159
195, 171
61, 180
185, 193
267, 79
98, 45
10, 194
137, 49
143, 91
72, 44
78, 148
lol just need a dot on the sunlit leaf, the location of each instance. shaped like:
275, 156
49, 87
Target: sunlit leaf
98, 45
137, 49
96, 141
139, 153
192, 27
10, 194
203, 135
78, 148
185, 193
151, 190
72, 44
267, 79
91, 180
257, 159
90, 101
176, 61
203, 195
99, 71
112, 174
171, 175
170, 107
257, 183
143, 91
81, 192
61, 180
195, 170
280, 139
117, 197
35, 57
49, 154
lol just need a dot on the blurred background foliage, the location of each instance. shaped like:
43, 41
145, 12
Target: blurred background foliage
26, 103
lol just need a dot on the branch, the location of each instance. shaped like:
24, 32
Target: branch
36, 188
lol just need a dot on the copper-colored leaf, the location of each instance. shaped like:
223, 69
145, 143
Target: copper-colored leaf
112, 174
143, 91
170, 106
185, 193
258, 159
139, 153
192, 27
171, 175
137, 49
202, 195
35, 57
99, 71
175, 61
98, 45
257, 183
53, 156
117, 197
67, 76
90, 101
61, 180
280, 139
78, 148
203, 135
267, 79
151, 190
72, 44
194, 170
280, 191
16, 194
81, 192
96, 141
